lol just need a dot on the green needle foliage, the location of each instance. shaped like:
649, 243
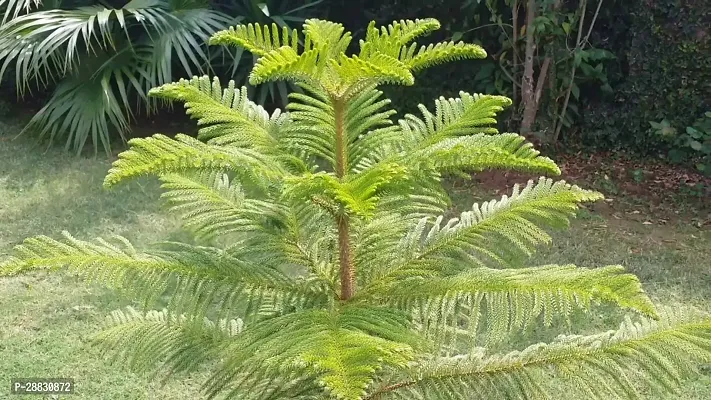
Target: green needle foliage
324, 266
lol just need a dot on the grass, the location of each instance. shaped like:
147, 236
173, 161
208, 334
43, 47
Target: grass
46, 321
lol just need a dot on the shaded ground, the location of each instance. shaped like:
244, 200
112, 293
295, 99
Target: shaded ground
47, 321
645, 191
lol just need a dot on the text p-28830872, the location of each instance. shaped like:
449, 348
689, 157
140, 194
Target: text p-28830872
41, 386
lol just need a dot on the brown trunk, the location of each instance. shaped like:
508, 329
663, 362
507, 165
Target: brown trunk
539, 86
579, 44
345, 258
527, 95
514, 47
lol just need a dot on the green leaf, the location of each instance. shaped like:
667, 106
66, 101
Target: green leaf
693, 132
578, 58
264, 8
576, 91
695, 144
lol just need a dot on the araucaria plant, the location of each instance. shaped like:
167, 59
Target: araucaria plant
325, 267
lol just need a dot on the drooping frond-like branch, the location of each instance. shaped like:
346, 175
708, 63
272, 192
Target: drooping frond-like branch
505, 229
179, 343
368, 126
313, 132
212, 206
226, 116
356, 194
286, 64
512, 298
620, 364
439, 53
458, 137
206, 278
329, 34
257, 39
344, 348
356, 73
161, 155
465, 115
389, 40
495, 233
479, 152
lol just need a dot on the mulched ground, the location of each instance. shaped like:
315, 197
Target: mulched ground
631, 186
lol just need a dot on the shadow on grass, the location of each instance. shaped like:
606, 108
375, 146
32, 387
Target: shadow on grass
46, 193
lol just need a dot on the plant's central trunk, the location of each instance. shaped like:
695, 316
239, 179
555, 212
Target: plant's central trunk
345, 258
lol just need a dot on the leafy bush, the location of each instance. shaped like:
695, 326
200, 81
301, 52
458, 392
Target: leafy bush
663, 49
104, 60
694, 144
327, 269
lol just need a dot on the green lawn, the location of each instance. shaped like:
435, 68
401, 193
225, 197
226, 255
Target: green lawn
46, 321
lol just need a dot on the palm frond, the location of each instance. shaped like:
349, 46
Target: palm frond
180, 33
47, 44
83, 109
621, 364
13, 8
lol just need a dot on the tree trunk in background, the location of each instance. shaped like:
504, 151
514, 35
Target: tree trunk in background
527, 90
514, 53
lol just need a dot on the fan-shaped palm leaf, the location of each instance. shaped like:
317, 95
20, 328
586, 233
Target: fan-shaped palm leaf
60, 41
11, 9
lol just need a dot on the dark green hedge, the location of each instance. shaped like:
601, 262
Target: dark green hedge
663, 71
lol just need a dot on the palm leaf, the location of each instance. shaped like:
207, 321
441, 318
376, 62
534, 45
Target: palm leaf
55, 40
81, 109
13, 8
